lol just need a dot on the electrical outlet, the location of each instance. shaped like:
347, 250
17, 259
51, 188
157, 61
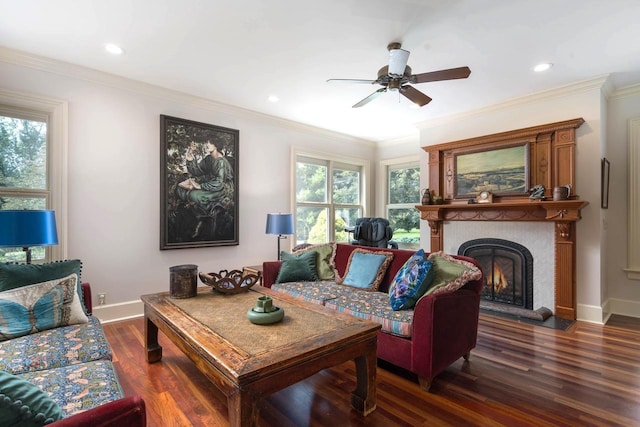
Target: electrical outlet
102, 299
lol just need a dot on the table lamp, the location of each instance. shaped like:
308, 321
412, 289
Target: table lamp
26, 228
280, 224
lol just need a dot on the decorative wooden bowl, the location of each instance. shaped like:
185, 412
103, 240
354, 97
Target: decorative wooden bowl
230, 282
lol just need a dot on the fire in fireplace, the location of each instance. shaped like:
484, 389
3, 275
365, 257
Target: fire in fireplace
508, 270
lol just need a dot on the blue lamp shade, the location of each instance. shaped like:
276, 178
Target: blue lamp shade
279, 223
26, 228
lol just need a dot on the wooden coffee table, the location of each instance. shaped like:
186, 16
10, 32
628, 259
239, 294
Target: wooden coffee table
247, 361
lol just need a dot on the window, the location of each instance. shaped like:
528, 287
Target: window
328, 197
403, 194
32, 176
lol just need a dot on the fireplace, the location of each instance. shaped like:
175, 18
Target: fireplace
508, 271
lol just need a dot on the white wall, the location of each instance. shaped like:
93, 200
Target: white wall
114, 176
579, 100
623, 293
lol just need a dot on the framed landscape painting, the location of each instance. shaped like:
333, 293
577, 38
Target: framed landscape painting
198, 184
503, 171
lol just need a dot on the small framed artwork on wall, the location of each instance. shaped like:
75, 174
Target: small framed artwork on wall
604, 175
198, 184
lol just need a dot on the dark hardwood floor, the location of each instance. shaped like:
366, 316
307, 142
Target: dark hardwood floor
518, 375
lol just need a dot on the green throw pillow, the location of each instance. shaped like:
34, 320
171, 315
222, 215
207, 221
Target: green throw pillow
450, 273
298, 268
324, 262
24, 404
17, 275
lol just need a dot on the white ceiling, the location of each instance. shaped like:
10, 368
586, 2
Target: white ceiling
241, 52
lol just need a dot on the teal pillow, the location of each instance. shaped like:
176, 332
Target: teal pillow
366, 269
41, 306
24, 404
17, 275
298, 268
411, 282
451, 273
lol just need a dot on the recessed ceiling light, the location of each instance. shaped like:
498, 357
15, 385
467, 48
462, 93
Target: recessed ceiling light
542, 67
273, 98
113, 49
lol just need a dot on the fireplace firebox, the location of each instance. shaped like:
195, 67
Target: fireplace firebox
507, 268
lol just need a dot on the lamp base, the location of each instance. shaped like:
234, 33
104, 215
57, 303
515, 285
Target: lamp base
27, 254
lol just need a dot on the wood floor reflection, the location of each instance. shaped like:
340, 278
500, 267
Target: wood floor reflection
519, 374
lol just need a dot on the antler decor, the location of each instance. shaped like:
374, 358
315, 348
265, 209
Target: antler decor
230, 282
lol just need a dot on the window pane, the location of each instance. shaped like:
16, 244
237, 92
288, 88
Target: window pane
23, 153
15, 203
311, 183
404, 185
406, 227
311, 225
346, 187
345, 217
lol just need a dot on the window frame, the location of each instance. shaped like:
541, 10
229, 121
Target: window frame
55, 113
332, 162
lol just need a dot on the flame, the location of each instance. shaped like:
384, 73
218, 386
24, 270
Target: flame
498, 280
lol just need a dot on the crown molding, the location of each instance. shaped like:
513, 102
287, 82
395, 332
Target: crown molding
66, 69
623, 92
550, 94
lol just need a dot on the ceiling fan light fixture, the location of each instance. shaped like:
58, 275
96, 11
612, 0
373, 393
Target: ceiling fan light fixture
398, 61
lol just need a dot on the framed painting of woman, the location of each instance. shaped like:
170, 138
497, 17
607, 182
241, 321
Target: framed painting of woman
199, 184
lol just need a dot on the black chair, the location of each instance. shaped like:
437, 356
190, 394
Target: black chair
373, 232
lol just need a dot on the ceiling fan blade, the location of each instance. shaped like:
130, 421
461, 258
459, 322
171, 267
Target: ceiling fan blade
398, 61
434, 76
414, 95
351, 81
370, 98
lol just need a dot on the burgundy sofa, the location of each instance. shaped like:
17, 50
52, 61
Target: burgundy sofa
126, 412
444, 326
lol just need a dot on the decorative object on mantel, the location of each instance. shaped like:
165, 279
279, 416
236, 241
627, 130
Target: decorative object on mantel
426, 197
264, 312
183, 281
438, 200
230, 282
562, 192
485, 197
537, 192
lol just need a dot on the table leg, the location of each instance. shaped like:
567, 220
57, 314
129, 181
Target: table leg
243, 409
154, 350
363, 398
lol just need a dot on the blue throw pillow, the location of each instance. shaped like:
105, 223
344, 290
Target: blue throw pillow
366, 269
24, 404
298, 268
411, 282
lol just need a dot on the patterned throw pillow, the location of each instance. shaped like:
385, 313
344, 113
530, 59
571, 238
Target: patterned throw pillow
34, 308
298, 268
16, 275
411, 282
366, 269
24, 404
325, 260
450, 273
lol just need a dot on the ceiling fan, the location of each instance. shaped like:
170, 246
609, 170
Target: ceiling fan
397, 77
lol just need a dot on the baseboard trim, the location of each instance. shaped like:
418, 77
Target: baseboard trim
591, 314
624, 307
122, 311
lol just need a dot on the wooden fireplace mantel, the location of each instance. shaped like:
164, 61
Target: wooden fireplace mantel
550, 161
